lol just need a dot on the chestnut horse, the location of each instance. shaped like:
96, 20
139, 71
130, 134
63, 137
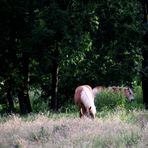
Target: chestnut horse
128, 93
84, 99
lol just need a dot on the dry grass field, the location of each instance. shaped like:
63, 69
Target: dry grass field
115, 130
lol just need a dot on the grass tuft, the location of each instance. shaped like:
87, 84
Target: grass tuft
117, 128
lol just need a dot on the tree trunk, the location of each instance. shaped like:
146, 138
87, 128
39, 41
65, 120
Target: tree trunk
55, 73
54, 91
24, 101
145, 71
8, 90
10, 101
11, 56
145, 54
145, 93
23, 96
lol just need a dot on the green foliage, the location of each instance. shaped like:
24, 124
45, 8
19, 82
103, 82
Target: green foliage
138, 94
38, 103
113, 44
111, 101
108, 100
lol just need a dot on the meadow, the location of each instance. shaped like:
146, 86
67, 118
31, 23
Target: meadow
117, 125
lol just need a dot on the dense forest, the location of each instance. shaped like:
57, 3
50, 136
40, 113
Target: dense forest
52, 46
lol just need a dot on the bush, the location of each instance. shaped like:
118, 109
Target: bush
38, 103
108, 100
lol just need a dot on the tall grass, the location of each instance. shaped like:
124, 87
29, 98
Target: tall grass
118, 129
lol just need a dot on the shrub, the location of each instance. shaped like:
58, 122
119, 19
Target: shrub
108, 100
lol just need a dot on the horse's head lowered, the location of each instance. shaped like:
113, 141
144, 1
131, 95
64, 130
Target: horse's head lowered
129, 94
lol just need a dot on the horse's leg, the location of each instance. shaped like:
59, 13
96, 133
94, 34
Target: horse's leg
81, 112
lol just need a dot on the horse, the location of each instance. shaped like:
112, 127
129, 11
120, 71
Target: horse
84, 99
128, 92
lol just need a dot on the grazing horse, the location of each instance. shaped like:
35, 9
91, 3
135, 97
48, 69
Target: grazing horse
84, 98
128, 93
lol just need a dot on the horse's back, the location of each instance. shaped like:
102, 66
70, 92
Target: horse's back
83, 88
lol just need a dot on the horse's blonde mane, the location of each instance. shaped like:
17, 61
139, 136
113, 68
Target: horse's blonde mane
88, 100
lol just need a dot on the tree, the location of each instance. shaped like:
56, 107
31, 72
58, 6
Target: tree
18, 23
117, 43
145, 53
51, 27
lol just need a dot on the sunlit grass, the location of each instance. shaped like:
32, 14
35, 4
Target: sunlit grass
117, 128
